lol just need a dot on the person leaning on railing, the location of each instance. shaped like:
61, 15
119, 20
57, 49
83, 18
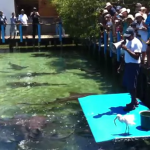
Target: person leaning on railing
113, 13
3, 21
13, 27
23, 19
35, 16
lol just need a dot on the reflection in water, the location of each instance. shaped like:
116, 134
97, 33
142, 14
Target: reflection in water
16, 67
30, 84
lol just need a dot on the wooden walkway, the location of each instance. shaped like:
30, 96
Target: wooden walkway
36, 37
44, 39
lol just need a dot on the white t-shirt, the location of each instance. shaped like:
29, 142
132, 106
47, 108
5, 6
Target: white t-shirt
136, 46
23, 18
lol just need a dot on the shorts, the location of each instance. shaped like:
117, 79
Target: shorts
13, 29
130, 76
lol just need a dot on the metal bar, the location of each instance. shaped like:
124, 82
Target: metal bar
105, 42
20, 31
99, 46
39, 33
60, 32
111, 40
118, 50
3, 33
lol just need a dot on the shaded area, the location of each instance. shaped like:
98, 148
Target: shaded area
16, 67
122, 134
30, 84
113, 110
141, 129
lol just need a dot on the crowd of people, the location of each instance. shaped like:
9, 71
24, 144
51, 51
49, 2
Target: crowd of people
135, 32
21, 19
118, 19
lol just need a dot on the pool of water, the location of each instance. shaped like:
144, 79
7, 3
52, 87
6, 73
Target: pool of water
38, 92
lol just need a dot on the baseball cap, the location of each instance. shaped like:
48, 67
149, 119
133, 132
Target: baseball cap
22, 10
129, 32
34, 8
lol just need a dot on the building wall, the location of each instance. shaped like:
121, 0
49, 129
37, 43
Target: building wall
7, 6
46, 9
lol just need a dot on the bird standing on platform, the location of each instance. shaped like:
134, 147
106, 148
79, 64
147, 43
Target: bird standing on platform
127, 119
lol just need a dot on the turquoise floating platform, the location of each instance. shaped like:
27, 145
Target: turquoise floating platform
100, 112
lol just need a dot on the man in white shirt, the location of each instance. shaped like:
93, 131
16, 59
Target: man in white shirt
133, 48
23, 20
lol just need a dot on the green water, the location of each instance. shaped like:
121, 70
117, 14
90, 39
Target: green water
30, 81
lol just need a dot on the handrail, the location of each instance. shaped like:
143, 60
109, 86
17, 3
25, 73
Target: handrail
39, 31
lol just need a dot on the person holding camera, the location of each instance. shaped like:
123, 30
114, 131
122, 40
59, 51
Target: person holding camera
35, 16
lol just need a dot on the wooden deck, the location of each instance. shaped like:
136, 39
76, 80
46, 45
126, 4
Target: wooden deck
36, 37
44, 39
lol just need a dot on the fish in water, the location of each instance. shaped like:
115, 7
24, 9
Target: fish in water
74, 96
16, 67
30, 84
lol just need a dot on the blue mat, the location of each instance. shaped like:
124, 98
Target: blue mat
100, 112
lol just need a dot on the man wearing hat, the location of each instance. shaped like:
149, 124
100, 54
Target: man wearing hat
132, 49
124, 14
23, 19
35, 21
110, 9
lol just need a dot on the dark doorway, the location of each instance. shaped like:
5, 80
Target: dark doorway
27, 5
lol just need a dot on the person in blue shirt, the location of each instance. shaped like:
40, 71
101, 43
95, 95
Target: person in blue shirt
110, 9
3, 21
147, 22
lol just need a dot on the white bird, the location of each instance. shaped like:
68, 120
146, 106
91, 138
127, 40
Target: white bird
127, 119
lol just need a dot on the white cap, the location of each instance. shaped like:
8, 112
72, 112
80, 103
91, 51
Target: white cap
105, 11
124, 9
138, 15
108, 4
108, 15
130, 17
143, 8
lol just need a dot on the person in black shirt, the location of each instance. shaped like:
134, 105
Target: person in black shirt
35, 21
